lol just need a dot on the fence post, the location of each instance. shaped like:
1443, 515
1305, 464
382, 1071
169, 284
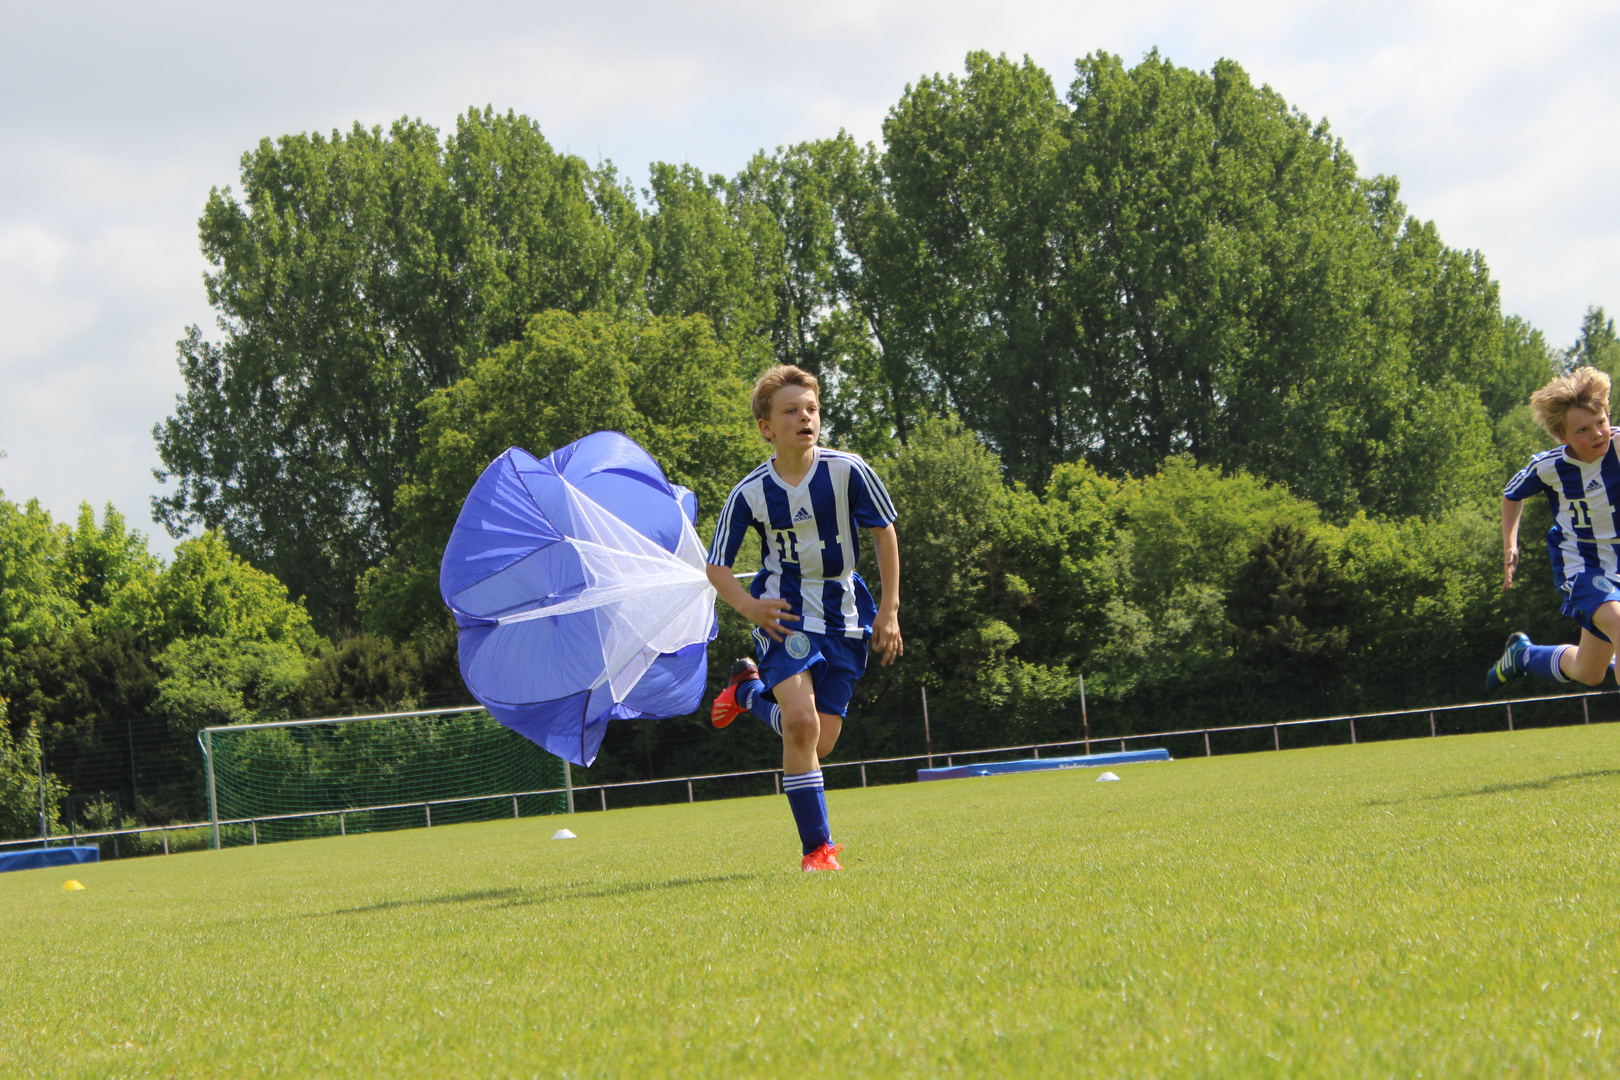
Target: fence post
776, 778
928, 734
1276, 739
343, 826
568, 783
213, 802
255, 827
1122, 746
603, 791
1586, 711
1432, 733
689, 792
427, 811
514, 808
1085, 721
44, 821
1510, 717
863, 774
1352, 731
165, 841
1037, 752
1206, 745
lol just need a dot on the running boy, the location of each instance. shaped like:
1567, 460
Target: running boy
805, 503
1582, 481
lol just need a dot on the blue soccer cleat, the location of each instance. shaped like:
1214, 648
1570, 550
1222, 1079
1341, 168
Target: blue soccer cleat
1510, 666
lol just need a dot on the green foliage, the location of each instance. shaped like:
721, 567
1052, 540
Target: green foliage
37, 587
1597, 345
712, 254
665, 381
974, 176
1285, 607
833, 225
210, 592
20, 782
210, 681
363, 674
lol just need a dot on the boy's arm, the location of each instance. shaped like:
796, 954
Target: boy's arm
765, 613
886, 627
1511, 509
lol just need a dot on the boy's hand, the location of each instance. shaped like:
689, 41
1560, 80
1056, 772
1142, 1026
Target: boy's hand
1510, 563
886, 638
768, 613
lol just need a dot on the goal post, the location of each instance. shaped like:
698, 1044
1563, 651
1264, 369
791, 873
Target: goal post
299, 779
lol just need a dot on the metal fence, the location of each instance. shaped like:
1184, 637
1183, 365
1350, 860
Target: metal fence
572, 792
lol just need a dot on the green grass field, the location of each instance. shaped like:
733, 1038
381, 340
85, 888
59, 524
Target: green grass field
1424, 908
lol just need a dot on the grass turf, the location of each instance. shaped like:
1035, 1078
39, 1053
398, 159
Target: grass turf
1422, 908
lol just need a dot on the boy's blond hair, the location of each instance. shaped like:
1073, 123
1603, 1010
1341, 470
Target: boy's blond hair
1586, 388
773, 380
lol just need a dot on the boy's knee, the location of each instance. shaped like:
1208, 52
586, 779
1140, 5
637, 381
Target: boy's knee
1590, 680
800, 726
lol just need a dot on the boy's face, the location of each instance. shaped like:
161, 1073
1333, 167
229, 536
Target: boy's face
1586, 433
795, 420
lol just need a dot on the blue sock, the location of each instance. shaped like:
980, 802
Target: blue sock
1543, 660
751, 696
808, 800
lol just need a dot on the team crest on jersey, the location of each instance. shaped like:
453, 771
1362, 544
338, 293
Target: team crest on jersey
1603, 584
798, 646
802, 515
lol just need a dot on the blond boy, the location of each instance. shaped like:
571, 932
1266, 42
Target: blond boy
1581, 479
812, 614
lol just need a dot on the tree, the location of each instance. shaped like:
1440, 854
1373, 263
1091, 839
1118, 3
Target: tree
1597, 345
363, 674
358, 274
1285, 609
664, 381
37, 588
825, 200
20, 780
712, 254
973, 174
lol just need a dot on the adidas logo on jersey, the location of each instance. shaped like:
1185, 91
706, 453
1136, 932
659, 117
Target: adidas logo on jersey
1594, 484
802, 515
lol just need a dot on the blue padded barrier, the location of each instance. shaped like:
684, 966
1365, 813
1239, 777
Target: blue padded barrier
37, 858
1087, 761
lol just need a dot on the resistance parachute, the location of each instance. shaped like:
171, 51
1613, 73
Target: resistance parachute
579, 587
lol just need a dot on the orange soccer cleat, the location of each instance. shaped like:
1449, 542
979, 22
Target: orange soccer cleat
725, 708
823, 858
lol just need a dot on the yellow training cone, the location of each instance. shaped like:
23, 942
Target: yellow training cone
70, 885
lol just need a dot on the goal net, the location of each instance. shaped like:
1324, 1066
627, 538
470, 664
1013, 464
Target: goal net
305, 778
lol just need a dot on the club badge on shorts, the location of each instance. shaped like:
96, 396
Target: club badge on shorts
798, 646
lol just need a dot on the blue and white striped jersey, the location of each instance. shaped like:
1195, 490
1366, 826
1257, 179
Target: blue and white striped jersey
809, 538
1585, 501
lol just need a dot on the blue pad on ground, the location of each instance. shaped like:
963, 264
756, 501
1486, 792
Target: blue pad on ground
1087, 761
36, 858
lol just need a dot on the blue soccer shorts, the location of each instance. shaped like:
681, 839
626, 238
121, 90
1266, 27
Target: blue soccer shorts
835, 664
1585, 593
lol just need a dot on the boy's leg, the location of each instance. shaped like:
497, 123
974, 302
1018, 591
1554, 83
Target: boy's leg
801, 767
1589, 663
801, 725
831, 725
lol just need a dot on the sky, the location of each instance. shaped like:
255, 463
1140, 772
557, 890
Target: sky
116, 120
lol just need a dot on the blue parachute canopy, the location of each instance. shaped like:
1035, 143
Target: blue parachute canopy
580, 589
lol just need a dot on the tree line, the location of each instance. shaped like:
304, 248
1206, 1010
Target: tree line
1167, 393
